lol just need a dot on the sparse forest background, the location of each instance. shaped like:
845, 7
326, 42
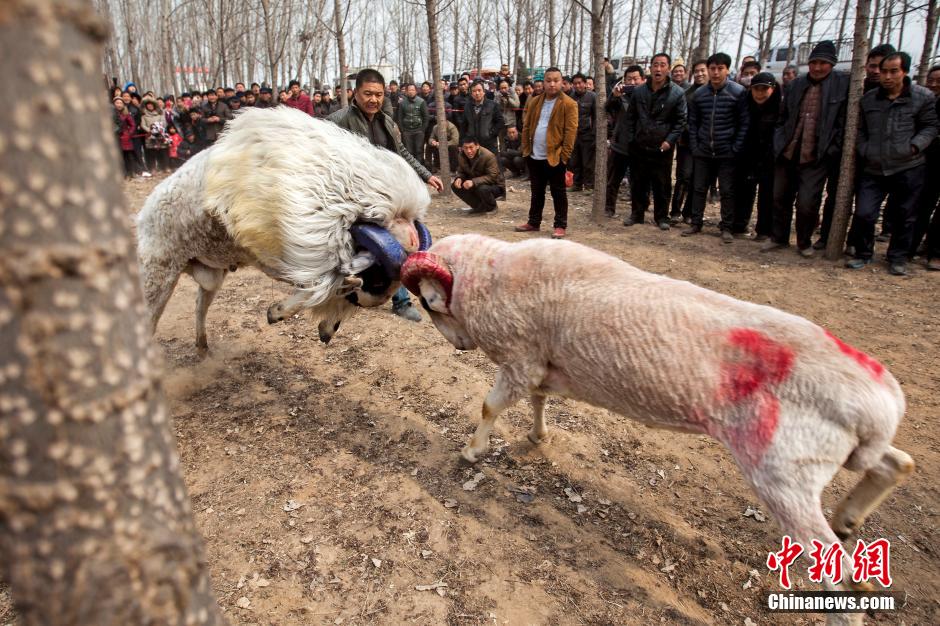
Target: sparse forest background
172, 45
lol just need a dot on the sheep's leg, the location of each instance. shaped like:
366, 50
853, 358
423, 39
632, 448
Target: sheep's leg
210, 281
159, 280
504, 394
539, 431
877, 484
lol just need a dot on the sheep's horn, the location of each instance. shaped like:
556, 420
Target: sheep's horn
424, 236
423, 264
384, 247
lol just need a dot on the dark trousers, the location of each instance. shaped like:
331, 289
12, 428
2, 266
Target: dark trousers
903, 191
434, 159
157, 159
748, 186
582, 161
706, 170
513, 161
480, 198
933, 236
542, 175
617, 166
804, 185
927, 206
682, 196
130, 163
413, 141
652, 171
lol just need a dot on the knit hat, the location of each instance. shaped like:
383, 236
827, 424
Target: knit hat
764, 78
824, 51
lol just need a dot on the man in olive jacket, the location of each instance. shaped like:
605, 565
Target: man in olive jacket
412, 117
364, 116
548, 133
479, 181
897, 123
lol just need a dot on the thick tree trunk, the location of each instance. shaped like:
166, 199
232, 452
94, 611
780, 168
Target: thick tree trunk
705, 29
440, 129
932, 11
843, 208
95, 522
552, 49
340, 51
600, 126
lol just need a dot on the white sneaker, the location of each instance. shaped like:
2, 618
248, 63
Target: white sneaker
146, 175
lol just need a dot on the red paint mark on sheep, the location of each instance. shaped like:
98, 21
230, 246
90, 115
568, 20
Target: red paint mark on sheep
874, 368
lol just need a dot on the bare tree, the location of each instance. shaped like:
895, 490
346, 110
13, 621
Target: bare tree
705, 26
95, 522
597, 12
931, 30
441, 128
843, 208
747, 14
340, 51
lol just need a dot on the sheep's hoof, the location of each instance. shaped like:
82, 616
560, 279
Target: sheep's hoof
202, 350
536, 439
469, 454
274, 315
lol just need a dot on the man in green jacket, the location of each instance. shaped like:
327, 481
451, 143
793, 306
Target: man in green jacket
412, 117
364, 116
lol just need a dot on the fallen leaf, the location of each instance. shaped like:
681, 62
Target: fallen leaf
573, 496
377, 562
243, 603
450, 503
471, 484
292, 505
582, 509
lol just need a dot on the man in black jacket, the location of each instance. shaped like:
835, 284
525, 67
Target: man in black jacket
756, 168
618, 161
682, 196
808, 146
897, 124
655, 120
582, 159
717, 127
481, 120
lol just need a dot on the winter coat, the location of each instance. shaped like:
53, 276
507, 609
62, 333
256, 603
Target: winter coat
758, 152
483, 169
220, 110
483, 126
508, 104
689, 92
894, 135
618, 108
302, 103
412, 114
562, 128
718, 120
831, 125
153, 124
354, 120
451, 132
655, 117
587, 112
124, 128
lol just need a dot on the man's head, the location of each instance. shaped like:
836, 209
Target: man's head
790, 74
528, 89
580, 85
370, 91
893, 70
589, 83
762, 87
634, 75
504, 86
821, 60
679, 73
228, 93
294, 88
719, 65
255, 89
566, 84
933, 80
504, 69
551, 82
873, 61
749, 69
747, 59
250, 99
477, 92
212, 96
317, 97
659, 67
265, 94
462, 85
470, 147
425, 89
410, 90
538, 87
234, 104
700, 72
126, 97
393, 86
239, 87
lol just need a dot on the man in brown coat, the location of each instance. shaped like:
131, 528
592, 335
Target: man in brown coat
550, 124
479, 181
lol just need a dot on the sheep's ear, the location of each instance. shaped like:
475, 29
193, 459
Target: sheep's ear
433, 296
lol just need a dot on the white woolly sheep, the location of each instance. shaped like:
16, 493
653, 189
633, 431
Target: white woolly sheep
790, 401
281, 191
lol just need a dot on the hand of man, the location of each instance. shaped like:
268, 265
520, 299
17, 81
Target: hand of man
458, 183
436, 183
467, 184
434, 143
665, 147
616, 92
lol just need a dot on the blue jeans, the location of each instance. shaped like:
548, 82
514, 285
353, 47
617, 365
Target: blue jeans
401, 298
903, 192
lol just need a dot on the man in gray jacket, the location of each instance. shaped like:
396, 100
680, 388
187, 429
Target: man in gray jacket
412, 117
897, 123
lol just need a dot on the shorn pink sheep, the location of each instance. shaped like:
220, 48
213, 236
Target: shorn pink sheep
791, 402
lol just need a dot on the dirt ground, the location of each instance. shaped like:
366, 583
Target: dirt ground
327, 483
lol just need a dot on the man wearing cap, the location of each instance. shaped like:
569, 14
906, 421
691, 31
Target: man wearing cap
754, 176
298, 99
365, 117
897, 124
264, 99
808, 149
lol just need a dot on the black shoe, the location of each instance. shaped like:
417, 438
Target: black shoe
474, 211
629, 221
898, 268
675, 219
883, 238
772, 245
857, 264
691, 230
726, 236
819, 245
686, 220
664, 226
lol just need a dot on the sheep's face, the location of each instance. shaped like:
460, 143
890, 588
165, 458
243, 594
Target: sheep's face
434, 301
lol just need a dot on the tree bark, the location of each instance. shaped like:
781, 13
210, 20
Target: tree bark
928, 41
747, 14
705, 29
340, 51
440, 129
659, 19
95, 522
794, 9
768, 42
552, 49
845, 14
600, 125
846, 189
812, 22
874, 22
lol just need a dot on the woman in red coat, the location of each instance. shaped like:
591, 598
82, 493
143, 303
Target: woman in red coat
124, 128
